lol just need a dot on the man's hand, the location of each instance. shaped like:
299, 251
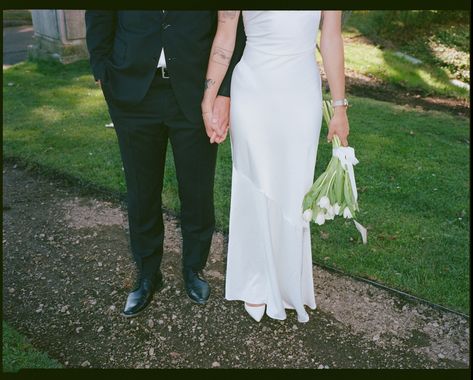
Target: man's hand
98, 82
216, 118
339, 126
221, 139
207, 116
211, 132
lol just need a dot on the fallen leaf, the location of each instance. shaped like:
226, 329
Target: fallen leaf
324, 235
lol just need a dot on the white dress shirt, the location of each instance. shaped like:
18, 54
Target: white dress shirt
162, 58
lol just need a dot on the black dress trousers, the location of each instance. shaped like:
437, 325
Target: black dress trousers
143, 132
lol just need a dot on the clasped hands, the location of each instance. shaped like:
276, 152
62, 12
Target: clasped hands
216, 118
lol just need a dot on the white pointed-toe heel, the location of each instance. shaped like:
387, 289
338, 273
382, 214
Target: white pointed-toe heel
256, 312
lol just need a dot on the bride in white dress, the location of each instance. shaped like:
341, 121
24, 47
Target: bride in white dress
275, 119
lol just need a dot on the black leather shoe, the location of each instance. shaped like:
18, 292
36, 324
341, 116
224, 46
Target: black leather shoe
141, 297
197, 288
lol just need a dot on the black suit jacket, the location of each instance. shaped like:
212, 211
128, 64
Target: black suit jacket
125, 46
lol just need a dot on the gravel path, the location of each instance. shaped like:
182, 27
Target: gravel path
67, 272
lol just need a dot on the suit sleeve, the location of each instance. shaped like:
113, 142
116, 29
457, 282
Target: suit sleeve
237, 53
100, 33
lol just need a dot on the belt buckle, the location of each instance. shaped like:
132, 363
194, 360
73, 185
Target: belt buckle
163, 73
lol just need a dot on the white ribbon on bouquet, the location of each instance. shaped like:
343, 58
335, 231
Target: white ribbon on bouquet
347, 158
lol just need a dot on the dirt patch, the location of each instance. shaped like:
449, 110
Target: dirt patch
67, 271
89, 213
370, 87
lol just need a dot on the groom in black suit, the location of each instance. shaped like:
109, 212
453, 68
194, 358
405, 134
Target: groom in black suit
151, 66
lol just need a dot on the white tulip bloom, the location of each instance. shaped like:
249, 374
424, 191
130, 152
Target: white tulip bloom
336, 209
320, 218
347, 213
307, 215
330, 214
324, 202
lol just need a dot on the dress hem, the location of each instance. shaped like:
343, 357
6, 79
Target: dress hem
273, 316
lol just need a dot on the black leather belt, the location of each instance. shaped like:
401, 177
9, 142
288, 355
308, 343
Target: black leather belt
163, 72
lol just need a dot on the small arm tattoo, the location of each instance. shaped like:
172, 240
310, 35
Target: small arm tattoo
209, 83
221, 56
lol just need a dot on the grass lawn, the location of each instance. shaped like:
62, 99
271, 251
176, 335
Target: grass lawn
439, 38
413, 176
18, 353
18, 16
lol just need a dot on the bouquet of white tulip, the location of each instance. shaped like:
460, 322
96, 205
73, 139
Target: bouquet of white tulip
334, 192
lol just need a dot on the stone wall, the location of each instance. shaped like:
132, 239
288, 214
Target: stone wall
59, 35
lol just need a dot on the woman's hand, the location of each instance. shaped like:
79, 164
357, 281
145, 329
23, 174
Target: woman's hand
339, 126
215, 118
331, 48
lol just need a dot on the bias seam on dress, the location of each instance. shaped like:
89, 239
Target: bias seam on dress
289, 220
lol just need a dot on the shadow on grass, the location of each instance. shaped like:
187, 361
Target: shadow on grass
411, 30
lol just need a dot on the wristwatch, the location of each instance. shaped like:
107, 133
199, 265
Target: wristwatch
340, 103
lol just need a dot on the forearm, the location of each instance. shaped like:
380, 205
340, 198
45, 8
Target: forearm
331, 48
220, 55
240, 43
